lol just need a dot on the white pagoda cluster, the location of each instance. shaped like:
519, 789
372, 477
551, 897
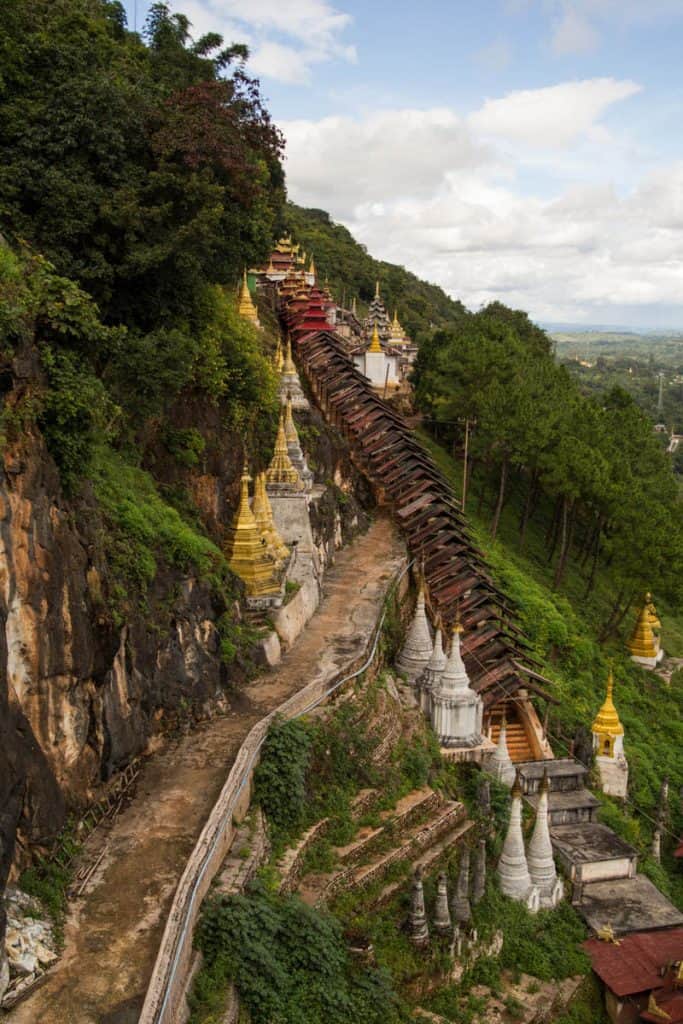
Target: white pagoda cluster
443, 687
529, 876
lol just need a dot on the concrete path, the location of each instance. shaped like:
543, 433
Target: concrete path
113, 933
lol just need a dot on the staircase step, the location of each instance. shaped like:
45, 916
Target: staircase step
408, 810
427, 861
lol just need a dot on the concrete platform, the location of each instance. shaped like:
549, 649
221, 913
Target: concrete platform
575, 806
628, 905
590, 852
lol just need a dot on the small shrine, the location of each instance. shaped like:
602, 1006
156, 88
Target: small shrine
644, 644
245, 306
379, 365
608, 746
281, 476
246, 551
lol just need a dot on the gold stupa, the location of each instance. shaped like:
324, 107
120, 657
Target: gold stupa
642, 642
263, 515
246, 551
279, 359
288, 367
291, 433
374, 343
281, 470
246, 307
607, 719
652, 616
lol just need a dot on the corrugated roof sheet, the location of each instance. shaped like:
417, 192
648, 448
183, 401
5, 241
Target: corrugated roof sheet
637, 963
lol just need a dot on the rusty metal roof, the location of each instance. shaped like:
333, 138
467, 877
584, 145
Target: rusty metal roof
637, 963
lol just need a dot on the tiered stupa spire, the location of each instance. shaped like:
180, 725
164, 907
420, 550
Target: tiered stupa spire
540, 859
246, 551
281, 474
374, 341
246, 307
296, 455
429, 679
263, 515
289, 381
417, 646
608, 745
500, 764
644, 643
513, 870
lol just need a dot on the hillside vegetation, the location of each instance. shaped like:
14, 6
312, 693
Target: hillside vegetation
352, 272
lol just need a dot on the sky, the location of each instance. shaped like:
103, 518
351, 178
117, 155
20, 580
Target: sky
526, 151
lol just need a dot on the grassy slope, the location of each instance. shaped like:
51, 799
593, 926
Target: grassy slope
563, 630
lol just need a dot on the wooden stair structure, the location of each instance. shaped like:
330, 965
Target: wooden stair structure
519, 747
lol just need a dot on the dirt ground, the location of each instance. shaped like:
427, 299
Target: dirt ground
113, 932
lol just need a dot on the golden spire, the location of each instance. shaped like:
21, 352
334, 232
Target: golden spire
607, 720
374, 344
270, 269
281, 470
652, 616
246, 307
263, 514
291, 433
289, 367
642, 643
353, 306
279, 358
376, 289
311, 269
245, 549
396, 329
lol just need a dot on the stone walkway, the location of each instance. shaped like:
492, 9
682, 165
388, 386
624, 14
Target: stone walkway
113, 933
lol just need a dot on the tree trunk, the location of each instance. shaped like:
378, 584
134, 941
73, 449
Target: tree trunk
528, 506
551, 532
615, 616
596, 558
565, 542
501, 497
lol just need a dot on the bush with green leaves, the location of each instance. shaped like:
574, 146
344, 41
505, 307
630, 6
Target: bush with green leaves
289, 962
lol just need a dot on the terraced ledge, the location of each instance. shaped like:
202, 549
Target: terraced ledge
443, 829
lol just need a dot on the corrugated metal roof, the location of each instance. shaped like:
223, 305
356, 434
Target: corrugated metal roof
637, 963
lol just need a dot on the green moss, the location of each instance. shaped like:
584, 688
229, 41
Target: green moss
144, 530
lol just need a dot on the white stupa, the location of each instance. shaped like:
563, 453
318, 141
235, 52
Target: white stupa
456, 710
417, 646
540, 859
513, 870
429, 679
500, 763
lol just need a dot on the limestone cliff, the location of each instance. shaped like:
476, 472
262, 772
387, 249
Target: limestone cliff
82, 692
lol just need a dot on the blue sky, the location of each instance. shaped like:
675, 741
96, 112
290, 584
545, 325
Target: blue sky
522, 150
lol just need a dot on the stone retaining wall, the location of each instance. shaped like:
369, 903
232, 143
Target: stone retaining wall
165, 999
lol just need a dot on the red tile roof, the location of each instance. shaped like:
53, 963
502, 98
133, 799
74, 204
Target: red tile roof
635, 964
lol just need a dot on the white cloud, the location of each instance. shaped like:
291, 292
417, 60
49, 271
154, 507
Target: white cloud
427, 189
286, 39
579, 24
554, 116
574, 33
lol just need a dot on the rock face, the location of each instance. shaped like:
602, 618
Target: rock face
82, 693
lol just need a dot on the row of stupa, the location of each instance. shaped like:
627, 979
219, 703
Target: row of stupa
442, 685
254, 547
455, 710
378, 345
529, 875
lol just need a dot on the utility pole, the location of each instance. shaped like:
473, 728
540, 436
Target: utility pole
660, 400
464, 468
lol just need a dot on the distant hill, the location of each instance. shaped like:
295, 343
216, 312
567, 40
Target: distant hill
353, 272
